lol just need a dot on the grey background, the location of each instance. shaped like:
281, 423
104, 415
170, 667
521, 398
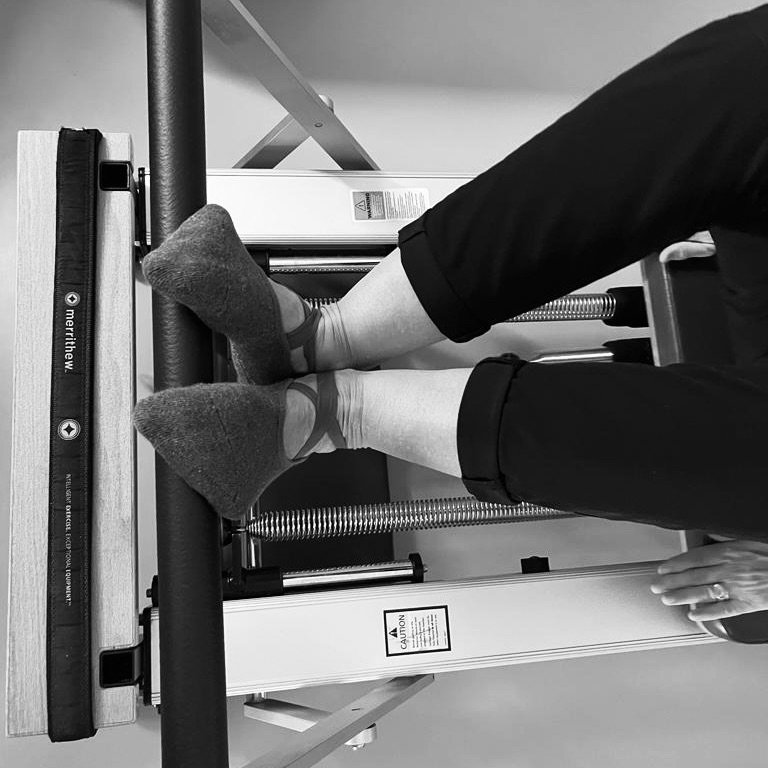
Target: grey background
443, 85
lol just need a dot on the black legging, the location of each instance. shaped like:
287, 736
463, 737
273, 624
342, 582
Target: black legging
677, 144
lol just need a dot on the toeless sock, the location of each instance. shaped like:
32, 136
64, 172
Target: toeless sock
224, 440
205, 266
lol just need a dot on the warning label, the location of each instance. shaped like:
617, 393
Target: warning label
389, 204
417, 630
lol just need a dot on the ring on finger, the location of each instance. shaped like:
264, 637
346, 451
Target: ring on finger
718, 593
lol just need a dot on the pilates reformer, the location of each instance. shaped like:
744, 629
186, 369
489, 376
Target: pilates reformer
83, 650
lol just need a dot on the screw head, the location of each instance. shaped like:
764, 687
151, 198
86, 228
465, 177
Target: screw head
69, 429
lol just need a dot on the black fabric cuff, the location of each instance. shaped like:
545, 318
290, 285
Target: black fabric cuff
444, 307
479, 423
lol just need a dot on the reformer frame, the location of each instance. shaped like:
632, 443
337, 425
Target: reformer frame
193, 678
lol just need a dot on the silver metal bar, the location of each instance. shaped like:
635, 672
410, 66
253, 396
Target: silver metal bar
410, 515
297, 717
582, 306
601, 355
283, 714
283, 139
311, 746
251, 555
286, 136
323, 264
351, 574
662, 312
236, 27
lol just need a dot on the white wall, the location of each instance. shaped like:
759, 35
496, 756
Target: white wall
444, 85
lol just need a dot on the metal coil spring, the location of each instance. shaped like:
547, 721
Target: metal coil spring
585, 306
414, 515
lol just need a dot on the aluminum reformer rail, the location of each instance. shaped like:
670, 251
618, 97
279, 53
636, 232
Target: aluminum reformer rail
194, 714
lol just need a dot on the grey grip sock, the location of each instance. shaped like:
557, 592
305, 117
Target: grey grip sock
205, 266
224, 440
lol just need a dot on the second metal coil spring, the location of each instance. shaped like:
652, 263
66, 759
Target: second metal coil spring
584, 306
320, 522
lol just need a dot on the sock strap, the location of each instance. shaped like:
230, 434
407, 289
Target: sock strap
325, 402
305, 333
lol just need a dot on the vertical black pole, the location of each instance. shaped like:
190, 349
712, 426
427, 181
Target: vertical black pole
193, 690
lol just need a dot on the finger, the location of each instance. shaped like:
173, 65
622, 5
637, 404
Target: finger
686, 250
698, 557
714, 611
693, 577
687, 596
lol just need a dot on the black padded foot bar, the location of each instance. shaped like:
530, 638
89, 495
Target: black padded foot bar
70, 712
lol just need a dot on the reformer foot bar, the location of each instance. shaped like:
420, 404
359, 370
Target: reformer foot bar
192, 653
194, 722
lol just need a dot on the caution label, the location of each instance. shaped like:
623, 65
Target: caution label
389, 204
417, 630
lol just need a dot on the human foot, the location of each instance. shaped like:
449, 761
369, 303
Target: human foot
273, 333
230, 441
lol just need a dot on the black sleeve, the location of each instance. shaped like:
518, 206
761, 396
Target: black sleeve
682, 446
677, 144
743, 265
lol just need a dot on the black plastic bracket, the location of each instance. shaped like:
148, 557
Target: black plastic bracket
115, 176
630, 308
418, 568
121, 667
631, 351
534, 564
244, 583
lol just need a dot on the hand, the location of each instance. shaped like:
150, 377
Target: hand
740, 566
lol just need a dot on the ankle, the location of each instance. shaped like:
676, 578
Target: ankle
300, 414
331, 342
332, 350
299, 419
349, 385
291, 310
